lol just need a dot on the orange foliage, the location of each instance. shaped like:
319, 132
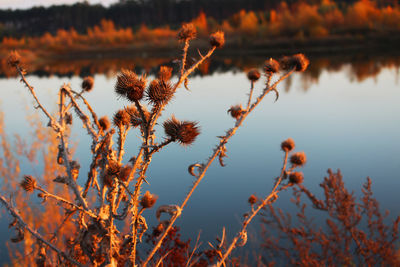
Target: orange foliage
200, 22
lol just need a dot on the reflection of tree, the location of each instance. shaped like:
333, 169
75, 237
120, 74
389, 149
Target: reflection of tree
359, 67
17, 154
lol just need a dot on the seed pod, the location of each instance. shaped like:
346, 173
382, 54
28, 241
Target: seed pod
104, 123
68, 118
130, 86
14, 59
148, 200
271, 66
288, 145
236, 111
298, 62
253, 75
87, 83
28, 184
252, 200
160, 92
298, 159
217, 39
296, 177
121, 118
187, 32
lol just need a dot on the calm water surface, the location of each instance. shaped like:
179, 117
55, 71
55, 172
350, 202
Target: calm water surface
340, 122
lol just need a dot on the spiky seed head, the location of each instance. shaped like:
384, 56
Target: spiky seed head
171, 127
296, 177
104, 123
158, 230
135, 117
288, 145
187, 32
148, 200
87, 83
300, 62
236, 111
14, 59
188, 131
252, 199
297, 62
184, 132
217, 39
130, 86
28, 184
165, 73
271, 66
125, 172
253, 75
160, 92
298, 159
121, 118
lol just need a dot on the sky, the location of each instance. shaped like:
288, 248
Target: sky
18, 4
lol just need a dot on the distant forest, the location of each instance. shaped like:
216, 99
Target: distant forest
133, 13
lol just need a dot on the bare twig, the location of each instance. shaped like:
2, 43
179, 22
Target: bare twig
16, 215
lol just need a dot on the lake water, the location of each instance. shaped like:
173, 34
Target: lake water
343, 116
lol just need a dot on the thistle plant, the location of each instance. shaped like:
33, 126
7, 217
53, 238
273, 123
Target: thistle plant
117, 186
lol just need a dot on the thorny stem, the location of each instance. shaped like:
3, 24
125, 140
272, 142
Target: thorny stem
81, 114
52, 122
205, 167
63, 200
270, 198
153, 119
184, 55
38, 236
64, 150
89, 107
250, 95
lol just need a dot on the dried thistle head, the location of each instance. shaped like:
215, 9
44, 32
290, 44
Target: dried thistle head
236, 111
87, 83
125, 172
135, 117
113, 168
298, 159
217, 39
130, 86
160, 92
148, 200
184, 132
298, 62
253, 75
28, 184
288, 145
252, 200
14, 59
271, 66
121, 118
165, 73
104, 123
187, 32
171, 127
296, 177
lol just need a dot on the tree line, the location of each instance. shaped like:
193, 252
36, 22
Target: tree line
132, 13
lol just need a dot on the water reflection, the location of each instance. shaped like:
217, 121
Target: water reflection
345, 120
358, 67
